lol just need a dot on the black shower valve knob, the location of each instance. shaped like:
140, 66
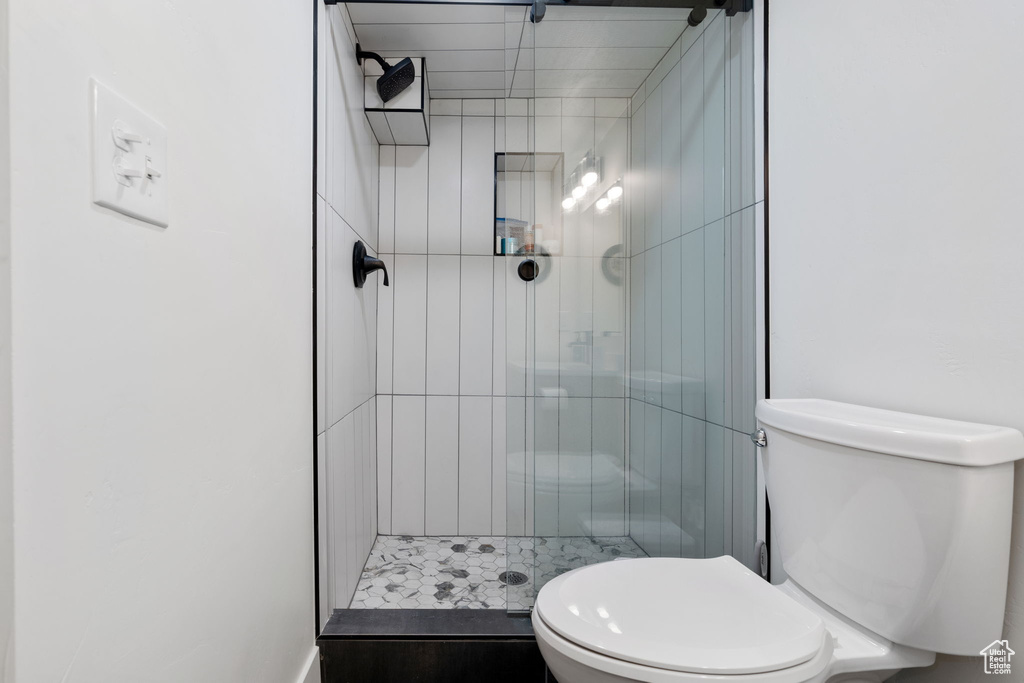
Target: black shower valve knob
363, 264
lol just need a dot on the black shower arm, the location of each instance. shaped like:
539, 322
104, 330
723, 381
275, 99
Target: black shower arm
363, 54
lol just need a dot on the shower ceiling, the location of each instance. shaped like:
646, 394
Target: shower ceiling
488, 51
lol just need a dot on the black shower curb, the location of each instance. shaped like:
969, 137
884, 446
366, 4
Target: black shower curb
430, 645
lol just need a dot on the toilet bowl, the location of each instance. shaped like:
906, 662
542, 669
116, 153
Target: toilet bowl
894, 530
666, 620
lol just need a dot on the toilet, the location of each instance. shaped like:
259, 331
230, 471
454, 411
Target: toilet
894, 531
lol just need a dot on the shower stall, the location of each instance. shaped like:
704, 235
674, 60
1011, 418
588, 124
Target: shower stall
567, 361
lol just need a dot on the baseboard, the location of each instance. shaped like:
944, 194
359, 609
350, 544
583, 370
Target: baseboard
311, 671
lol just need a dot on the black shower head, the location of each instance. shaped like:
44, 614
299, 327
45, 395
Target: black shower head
395, 79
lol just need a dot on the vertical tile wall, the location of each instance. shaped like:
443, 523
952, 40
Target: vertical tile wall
454, 329
347, 205
436, 351
692, 319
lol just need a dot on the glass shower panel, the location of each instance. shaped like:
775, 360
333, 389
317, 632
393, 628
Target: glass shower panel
633, 346
692, 476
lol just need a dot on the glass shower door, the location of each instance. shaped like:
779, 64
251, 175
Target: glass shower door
567, 472
633, 348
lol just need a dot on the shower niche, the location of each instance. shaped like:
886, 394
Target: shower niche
527, 213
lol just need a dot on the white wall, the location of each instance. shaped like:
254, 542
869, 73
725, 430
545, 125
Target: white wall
162, 377
452, 333
895, 152
6, 460
692, 321
347, 182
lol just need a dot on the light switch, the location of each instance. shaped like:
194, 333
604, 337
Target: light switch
129, 158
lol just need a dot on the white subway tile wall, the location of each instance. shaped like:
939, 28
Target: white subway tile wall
409, 349
475, 465
456, 327
411, 200
692, 307
408, 465
477, 184
476, 327
443, 323
348, 184
441, 509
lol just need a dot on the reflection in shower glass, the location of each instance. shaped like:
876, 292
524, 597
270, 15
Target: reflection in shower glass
630, 379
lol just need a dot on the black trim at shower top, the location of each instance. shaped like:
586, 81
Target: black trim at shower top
731, 7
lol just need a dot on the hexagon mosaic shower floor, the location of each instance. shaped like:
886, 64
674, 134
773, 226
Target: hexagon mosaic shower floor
461, 572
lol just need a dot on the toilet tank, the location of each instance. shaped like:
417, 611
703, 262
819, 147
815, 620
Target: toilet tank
899, 522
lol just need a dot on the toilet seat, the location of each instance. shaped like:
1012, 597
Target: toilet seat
708, 617
592, 667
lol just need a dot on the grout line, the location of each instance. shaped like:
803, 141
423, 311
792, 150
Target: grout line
451, 24
519, 51
458, 371
565, 257
394, 306
692, 417
573, 398
426, 328
490, 471
682, 142
376, 366
490, 374
704, 151
336, 422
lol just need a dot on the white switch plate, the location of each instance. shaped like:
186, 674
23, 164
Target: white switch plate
129, 158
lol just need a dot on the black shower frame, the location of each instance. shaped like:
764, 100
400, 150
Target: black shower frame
315, 366
731, 7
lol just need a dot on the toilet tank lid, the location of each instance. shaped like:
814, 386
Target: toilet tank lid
893, 433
